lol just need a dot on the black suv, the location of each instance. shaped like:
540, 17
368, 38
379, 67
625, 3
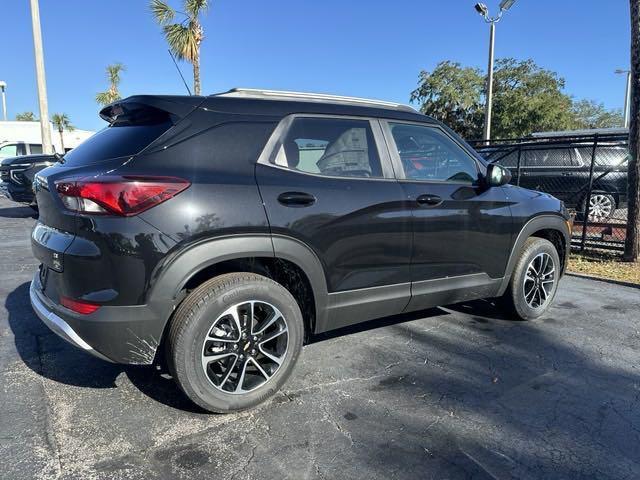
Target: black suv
17, 174
564, 172
223, 231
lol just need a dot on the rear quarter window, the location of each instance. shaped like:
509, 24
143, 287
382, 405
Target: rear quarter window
115, 141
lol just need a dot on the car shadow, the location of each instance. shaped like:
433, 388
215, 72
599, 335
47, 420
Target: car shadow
51, 357
495, 395
378, 323
19, 211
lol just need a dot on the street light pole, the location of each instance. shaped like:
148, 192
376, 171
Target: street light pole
3, 87
489, 104
47, 146
483, 10
627, 96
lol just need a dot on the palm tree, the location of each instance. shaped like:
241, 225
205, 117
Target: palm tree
26, 117
61, 122
632, 244
113, 75
184, 38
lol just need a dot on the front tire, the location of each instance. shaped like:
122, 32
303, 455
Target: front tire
233, 342
534, 281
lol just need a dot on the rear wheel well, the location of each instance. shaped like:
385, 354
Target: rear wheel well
556, 238
284, 272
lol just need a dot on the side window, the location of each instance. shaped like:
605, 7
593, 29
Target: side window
35, 149
427, 153
507, 159
551, 157
330, 146
10, 150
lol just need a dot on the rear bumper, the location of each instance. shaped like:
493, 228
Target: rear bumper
56, 324
128, 335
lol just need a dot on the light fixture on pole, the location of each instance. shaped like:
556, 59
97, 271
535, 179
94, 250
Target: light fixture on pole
627, 95
483, 10
3, 87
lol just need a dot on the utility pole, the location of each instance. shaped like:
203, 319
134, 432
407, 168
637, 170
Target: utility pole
483, 10
3, 87
489, 105
627, 95
47, 146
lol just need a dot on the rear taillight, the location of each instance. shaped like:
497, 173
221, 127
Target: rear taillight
124, 196
78, 306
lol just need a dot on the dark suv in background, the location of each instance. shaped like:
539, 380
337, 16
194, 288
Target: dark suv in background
17, 174
564, 170
220, 232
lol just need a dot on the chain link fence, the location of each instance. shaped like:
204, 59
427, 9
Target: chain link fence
587, 172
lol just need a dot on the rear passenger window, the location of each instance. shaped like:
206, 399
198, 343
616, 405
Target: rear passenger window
330, 146
552, 157
35, 149
428, 154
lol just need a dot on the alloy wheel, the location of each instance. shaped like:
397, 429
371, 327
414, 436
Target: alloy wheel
245, 346
600, 207
539, 280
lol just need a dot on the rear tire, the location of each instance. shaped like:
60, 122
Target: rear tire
602, 205
234, 341
534, 281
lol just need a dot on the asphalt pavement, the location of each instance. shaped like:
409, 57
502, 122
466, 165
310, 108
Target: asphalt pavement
457, 392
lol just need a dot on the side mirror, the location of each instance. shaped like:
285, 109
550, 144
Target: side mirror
497, 175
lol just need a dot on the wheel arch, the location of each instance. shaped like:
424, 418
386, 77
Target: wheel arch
286, 260
554, 228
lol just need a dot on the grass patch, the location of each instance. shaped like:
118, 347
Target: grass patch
604, 265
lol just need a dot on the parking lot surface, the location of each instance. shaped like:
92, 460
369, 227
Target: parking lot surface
456, 392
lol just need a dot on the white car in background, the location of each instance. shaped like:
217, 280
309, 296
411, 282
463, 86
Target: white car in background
25, 138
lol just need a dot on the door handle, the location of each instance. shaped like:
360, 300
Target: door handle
429, 200
296, 199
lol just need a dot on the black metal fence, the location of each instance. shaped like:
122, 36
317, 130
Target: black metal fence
587, 172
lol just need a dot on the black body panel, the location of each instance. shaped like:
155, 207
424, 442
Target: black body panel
366, 246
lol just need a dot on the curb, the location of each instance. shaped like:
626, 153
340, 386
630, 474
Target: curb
605, 280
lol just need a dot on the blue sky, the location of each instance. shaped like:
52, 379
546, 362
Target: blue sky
369, 48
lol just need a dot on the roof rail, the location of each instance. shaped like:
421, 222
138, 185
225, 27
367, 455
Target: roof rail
287, 95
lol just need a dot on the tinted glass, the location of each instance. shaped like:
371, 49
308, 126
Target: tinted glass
115, 141
328, 146
552, 157
507, 158
427, 153
605, 156
35, 149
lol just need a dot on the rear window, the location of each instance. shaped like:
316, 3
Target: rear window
115, 141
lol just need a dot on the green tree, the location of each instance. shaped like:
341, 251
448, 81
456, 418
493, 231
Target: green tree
453, 94
527, 98
112, 94
591, 114
185, 37
61, 122
26, 117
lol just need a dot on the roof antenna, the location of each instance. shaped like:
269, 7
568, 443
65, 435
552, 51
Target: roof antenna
179, 72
